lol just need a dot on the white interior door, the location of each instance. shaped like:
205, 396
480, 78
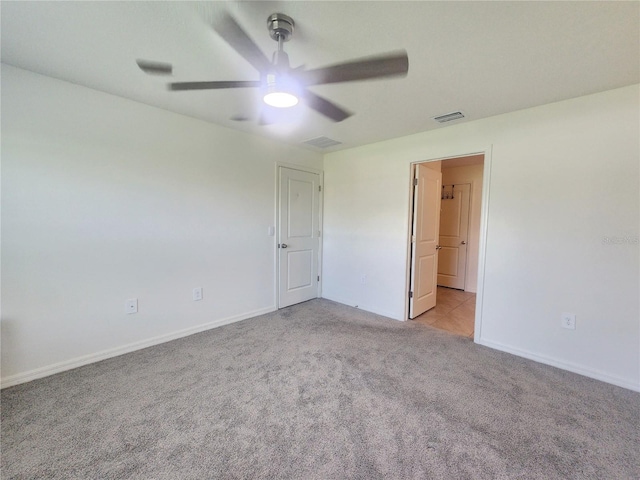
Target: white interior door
298, 236
454, 233
426, 224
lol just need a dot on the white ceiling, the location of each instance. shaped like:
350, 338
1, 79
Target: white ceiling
483, 58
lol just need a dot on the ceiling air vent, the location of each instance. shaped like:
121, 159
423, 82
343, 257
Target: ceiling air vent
322, 142
447, 117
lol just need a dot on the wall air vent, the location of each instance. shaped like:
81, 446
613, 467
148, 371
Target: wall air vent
447, 117
322, 142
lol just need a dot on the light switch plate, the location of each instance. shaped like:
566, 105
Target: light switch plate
197, 294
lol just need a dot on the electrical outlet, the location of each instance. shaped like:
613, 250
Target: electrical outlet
568, 320
197, 294
363, 279
131, 306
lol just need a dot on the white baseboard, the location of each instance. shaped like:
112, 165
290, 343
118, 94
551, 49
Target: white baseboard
366, 308
571, 367
131, 347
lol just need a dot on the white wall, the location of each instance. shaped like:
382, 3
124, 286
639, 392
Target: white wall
564, 177
105, 199
471, 174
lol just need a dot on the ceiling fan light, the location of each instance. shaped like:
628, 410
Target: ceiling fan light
280, 91
280, 99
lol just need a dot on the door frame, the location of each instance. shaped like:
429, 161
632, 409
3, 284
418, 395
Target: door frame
276, 219
482, 240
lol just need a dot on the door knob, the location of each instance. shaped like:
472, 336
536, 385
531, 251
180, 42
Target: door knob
284, 245
463, 242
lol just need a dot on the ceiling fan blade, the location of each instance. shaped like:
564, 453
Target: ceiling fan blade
325, 107
227, 27
388, 65
212, 85
155, 68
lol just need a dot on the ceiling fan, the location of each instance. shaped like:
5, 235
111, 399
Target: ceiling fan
283, 86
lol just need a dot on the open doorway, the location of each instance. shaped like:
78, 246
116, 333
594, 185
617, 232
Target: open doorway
451, 220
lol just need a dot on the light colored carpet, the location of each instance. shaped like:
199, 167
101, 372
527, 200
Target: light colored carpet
319, 391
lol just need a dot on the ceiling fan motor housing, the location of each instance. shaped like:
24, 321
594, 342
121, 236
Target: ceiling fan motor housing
280, 26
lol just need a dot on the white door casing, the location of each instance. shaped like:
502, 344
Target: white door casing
298, 236
425, 233
454, 236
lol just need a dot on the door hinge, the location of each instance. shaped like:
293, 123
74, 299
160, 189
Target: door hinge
410, 294
319, 233
319, 188
318, 277
415, 182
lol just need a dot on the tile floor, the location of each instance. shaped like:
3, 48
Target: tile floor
454, 312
